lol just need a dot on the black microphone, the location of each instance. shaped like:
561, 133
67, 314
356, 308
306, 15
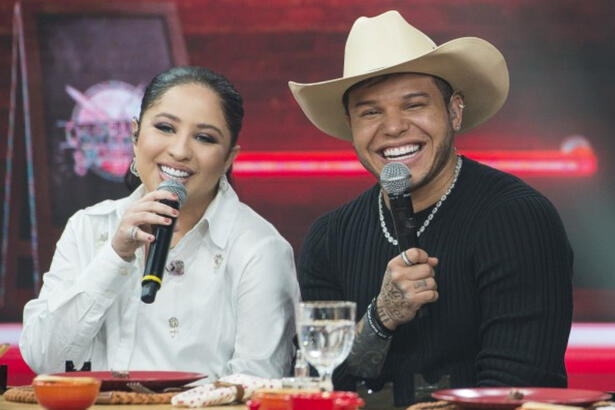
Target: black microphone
158, 250
395, 180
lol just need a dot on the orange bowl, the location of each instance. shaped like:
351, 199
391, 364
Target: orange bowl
274, 399
65, 393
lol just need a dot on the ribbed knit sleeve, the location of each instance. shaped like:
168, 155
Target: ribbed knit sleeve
343, 258
316, 278
523, 279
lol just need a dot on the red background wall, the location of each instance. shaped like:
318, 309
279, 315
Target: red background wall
561, 60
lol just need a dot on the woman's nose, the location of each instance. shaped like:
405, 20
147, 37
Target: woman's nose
179, 148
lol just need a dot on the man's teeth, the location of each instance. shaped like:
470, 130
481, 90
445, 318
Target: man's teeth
397, 152
174, 173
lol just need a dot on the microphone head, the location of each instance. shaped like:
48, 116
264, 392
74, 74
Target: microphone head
395, 178
176, 188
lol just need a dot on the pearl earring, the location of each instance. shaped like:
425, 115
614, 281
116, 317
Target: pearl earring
133, 167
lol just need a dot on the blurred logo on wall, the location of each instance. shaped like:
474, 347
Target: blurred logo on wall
99, 130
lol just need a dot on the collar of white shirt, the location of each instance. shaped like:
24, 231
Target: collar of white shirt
218, 218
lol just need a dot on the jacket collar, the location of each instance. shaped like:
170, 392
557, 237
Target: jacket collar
220, 216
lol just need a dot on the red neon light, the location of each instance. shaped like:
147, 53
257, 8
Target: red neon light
581, 161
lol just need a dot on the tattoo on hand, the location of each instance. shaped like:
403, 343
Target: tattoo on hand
393, 307
420, 284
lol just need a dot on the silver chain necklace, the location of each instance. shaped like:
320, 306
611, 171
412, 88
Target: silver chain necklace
385, 231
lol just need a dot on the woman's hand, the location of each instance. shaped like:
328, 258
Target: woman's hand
135, 227
406, 287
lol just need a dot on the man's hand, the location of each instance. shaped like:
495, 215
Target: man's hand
405, 288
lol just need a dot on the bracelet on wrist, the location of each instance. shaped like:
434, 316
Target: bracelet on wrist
375, 324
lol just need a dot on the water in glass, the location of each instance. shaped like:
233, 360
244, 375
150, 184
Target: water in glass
326, 333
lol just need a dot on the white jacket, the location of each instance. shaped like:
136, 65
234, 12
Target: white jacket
231, 311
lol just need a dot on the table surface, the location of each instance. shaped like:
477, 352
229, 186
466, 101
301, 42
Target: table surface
9, 405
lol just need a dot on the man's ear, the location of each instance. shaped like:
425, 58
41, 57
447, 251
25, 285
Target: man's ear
455, 111
349, 123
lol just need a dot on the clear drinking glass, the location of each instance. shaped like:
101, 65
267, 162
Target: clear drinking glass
326, 332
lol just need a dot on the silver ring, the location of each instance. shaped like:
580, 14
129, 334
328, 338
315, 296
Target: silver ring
407, 261
133, 232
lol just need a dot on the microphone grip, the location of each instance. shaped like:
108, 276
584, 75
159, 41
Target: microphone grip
156, 258
405, 228
403, 221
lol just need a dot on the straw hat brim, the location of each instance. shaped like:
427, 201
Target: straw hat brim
471, 66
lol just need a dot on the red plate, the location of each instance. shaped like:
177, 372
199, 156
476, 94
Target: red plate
152, 380
499, 397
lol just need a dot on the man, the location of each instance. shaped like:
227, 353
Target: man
492, 273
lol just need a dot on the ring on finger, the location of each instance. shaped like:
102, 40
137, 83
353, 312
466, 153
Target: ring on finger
133, 232
407, 261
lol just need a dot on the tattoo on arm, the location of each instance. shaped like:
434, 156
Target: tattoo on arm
368, 352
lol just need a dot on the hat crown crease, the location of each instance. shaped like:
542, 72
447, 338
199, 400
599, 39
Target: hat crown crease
383, 41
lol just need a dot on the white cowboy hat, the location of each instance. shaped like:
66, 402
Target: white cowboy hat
388, 44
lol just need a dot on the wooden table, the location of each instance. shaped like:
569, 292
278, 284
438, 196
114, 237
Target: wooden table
9, 405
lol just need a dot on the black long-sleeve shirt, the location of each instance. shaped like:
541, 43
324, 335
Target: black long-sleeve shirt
504, 279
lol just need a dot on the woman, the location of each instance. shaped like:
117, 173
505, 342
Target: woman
228, 294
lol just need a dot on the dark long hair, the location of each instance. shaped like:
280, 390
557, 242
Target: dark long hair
232, 103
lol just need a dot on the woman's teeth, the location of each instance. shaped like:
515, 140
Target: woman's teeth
174, 173
398, 153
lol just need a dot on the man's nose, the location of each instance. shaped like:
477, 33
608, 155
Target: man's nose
395, 124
